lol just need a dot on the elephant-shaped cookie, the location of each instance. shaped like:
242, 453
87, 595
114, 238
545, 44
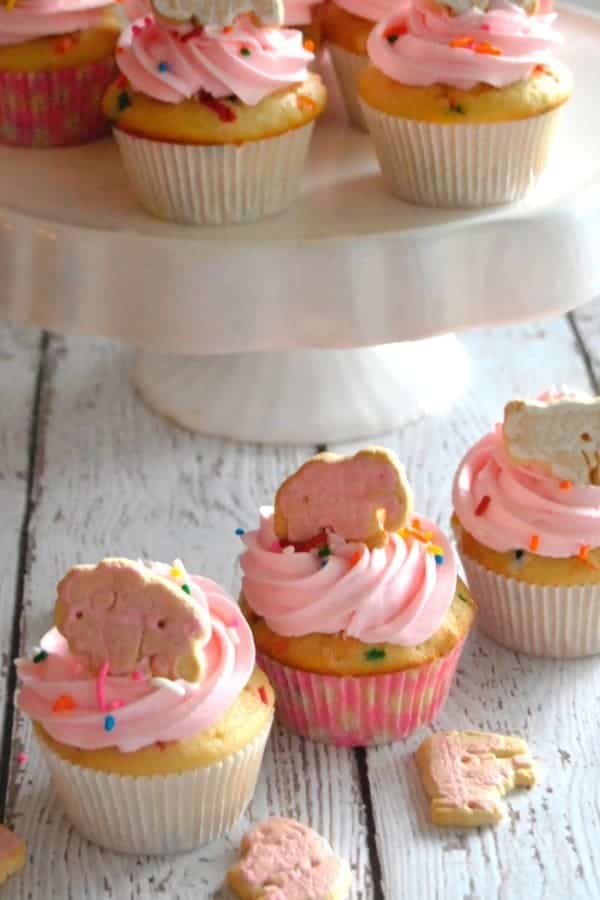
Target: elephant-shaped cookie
360, 498
122, 614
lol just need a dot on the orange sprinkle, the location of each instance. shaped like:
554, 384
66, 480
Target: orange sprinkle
434, 549
488, 49
228, 29
309, 46
465, 43
64, 703
423, 536
583, 552
356, 557
566, 485
305, 102
416, 523
534, 542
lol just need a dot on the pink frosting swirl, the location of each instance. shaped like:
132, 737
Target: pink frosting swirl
374, 10
32, 19
422, 55
149, 709
299, 12
522, 503
245, 61
397, 594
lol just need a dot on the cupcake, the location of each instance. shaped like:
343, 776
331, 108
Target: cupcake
527, 522
347, 26
214, 123
463, 100
147, 706
356, 609
56, 61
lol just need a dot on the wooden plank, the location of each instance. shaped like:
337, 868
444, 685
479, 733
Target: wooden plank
20, 356
547, 847
113, 478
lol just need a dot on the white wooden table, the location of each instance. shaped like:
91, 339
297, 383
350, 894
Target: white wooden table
86, 470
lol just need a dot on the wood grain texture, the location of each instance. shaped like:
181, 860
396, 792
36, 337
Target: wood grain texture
546, 849
19, 362
113, 478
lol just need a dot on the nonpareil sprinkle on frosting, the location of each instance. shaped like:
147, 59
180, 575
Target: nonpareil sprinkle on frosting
396, 594
430, 46
244, 61
92, 710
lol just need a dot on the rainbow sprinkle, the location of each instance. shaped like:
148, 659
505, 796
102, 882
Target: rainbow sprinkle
40, 657
439, 558
534, 542
64, 703
163, 67
186, 588
483, 505
109, 723
22, 758
262, 693
240, 532
374, 654
565, 485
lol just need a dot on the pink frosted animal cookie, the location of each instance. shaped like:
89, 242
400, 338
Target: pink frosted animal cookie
284, 860
559, 436
122, 615
466, 773
12, 853
360, 498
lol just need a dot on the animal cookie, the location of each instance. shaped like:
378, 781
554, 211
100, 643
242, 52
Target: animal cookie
122, 615
218, 12
12, 853
562, 437
360, 498
284, 860
466, 773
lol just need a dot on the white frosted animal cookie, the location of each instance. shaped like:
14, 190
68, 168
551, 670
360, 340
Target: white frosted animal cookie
459, 7
560, 437
218, 12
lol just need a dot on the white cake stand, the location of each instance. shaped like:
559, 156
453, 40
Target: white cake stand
285, 330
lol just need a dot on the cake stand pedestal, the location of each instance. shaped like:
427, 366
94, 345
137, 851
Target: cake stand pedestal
288, 330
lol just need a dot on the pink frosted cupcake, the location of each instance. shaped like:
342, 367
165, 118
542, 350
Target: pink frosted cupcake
213, 123
56, 60
462, 102
359, 626
347, 26
527, 521
147, 706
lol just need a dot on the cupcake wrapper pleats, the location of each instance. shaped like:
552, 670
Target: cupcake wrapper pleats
464, 165
542, 620
55, 109
161, 813
216, 184
360, 711
348, 69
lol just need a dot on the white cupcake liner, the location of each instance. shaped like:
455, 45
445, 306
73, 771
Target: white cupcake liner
462, 165
348, 69
216, 184
157, 814
547, 620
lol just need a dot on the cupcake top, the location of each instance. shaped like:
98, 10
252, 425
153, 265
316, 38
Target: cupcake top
243, 60
28, 20
533, 483
373, 10
391, 585
94, 683
497, 46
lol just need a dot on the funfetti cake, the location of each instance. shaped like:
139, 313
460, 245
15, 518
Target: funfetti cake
354, 601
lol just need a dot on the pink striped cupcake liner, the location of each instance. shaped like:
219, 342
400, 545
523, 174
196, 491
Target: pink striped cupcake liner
55, 109
360, 711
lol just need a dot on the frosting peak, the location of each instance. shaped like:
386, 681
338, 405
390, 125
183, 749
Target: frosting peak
242, 60
510, 507
396, 594
430, 46
72, 704
29, 20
